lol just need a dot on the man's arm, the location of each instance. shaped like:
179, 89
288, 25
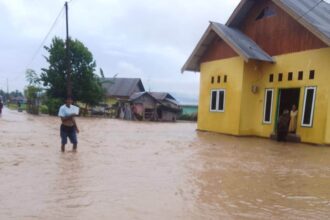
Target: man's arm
75, 124
67, 118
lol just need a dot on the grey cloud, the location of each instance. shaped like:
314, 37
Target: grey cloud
147, 39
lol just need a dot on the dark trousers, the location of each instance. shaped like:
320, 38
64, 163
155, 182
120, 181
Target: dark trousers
281, 135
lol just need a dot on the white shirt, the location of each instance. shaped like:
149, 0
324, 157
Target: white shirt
66, 111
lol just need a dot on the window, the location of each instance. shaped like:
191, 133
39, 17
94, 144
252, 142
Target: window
214, 100
219, 79
218, 100
268, 105
280, 77
225, 79
300, 75
271, 77
266, 12
308, 110
290, 76
212, 79
312, 74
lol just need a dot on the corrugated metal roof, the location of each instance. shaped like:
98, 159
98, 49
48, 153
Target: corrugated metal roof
158, 96
122, 87
313, 14
166, 100
240, 12
136, 95
241, 43
192, 64
238, 41
161, 95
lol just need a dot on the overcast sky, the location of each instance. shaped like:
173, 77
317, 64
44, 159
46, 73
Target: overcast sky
132, 38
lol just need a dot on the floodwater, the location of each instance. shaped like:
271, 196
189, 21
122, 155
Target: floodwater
132, 170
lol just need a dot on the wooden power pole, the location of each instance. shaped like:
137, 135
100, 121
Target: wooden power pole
68, 62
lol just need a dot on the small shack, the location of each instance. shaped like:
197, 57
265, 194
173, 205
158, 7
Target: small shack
121, 88
154, 106
118, 92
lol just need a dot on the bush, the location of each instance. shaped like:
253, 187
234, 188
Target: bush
187, 117
44, 109
53, 105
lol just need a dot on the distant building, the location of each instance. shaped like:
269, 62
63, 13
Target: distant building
270, 55
121, 88
189, 109
155, 106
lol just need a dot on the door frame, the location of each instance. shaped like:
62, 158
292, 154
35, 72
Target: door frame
278, 102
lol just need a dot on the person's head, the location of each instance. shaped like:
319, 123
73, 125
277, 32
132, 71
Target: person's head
68, 101
294, 108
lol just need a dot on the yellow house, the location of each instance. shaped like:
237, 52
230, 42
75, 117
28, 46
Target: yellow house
269, 56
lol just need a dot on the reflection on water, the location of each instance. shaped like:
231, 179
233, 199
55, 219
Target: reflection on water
129, 170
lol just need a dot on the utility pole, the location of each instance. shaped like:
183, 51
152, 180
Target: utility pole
7, 91
68, 63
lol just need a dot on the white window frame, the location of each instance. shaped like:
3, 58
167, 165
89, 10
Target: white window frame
217, 100
271, 107
310, 124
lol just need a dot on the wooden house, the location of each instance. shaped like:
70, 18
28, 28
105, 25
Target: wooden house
270, 55
121, 88
155, 106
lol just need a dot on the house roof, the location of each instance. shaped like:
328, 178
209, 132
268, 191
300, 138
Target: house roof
157, 96
136, 95
122, 87
161, 95
314, 15
239, 42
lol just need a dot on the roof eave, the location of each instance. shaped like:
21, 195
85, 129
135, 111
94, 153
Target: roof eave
231, 44
237, 10
303, 22
193, 54
240, 52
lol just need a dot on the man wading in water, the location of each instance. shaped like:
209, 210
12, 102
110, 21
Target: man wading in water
69, 127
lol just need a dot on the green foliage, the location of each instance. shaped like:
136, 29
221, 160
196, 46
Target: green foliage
188, 117
102, 73
32, 77
16, 93
86, 85
53, 105
31, 91
43, 109
14, 106
31, 94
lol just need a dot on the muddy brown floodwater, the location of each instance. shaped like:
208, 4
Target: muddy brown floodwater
132, 170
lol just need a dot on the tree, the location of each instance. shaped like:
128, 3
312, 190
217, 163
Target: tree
86, 85
32, 91
32, 77
102, 73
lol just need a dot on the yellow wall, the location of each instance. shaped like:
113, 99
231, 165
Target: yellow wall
228, 121
244, 109
111, 101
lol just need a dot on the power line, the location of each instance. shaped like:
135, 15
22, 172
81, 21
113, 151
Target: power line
46, 37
